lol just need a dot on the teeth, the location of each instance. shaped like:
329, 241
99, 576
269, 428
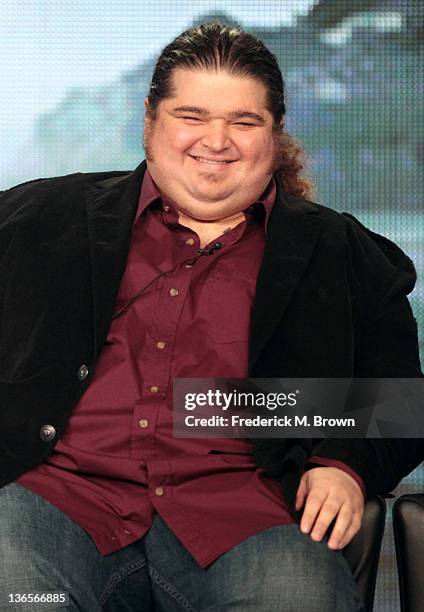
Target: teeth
209, 161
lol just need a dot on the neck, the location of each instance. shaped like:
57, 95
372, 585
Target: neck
208, 230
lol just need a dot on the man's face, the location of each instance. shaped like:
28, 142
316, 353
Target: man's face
211, 147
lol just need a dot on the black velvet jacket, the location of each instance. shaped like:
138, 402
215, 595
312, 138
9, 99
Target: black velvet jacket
330, 302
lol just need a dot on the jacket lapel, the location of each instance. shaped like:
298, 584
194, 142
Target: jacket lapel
293, 230
111, 208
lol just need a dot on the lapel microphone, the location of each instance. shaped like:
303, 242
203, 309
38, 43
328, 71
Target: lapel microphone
209, 250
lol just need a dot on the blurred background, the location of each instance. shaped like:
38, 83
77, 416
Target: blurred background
73, 77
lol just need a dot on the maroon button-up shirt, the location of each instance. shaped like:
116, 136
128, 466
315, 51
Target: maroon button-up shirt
178, 314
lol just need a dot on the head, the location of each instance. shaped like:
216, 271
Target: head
214, 121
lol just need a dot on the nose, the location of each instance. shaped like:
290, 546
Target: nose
216, 136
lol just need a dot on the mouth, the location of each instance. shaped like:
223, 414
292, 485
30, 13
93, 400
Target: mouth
212, 162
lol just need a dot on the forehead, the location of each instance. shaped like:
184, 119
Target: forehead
216, 90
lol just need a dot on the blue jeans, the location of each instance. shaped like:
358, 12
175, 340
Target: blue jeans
41, 550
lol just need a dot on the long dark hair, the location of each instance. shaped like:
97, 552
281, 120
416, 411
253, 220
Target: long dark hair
215, 46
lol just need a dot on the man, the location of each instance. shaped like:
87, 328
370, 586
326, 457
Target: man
206, 261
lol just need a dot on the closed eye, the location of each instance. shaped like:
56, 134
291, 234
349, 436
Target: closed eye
197, 119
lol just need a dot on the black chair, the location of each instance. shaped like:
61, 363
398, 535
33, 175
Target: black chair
363, 552
408, 527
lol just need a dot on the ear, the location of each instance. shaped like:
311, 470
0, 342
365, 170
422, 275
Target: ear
146, 102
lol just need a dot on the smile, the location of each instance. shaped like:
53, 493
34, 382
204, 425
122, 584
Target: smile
203, 160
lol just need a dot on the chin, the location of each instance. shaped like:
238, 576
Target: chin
212, 198
205, 208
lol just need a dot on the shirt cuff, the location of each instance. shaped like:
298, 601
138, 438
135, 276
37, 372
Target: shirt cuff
342, 466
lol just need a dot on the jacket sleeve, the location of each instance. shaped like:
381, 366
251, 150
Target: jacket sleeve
386, 346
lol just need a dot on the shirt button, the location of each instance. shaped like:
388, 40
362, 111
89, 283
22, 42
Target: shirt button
143, 423
188, 265
166, 208
173, 292
159, 491
160, 344
127, 532
154, 389
190, 241
83, 372
47, 433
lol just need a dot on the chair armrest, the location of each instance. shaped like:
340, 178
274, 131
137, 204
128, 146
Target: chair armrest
408, 528
363, 552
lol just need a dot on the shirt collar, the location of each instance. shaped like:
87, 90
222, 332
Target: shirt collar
149, 193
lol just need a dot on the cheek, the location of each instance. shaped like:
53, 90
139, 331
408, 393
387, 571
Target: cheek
183, 139
261, 157
169, 139
257, 150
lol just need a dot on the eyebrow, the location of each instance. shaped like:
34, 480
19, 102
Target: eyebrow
237, 114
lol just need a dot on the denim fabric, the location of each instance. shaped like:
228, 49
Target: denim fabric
277, 569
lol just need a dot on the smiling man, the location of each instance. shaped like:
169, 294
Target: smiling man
211, 147
208, 260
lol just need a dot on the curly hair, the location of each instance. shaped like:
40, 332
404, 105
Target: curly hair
215, 46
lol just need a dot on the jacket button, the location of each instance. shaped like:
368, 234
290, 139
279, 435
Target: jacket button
83, 372
47, 433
